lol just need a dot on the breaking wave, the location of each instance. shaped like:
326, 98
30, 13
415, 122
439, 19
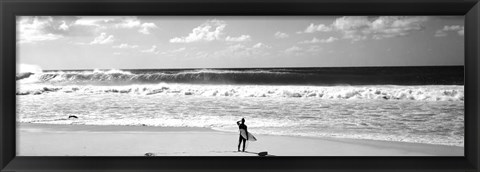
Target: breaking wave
379, 92
119, 77
300, 76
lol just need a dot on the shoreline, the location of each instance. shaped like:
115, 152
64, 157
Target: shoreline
89, 140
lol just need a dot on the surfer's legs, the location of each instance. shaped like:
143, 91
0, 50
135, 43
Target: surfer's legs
244, 140
239, 142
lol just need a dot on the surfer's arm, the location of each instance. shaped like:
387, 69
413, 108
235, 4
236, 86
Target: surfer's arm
246, 131
238, 122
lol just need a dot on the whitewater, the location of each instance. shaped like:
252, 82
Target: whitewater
273, 102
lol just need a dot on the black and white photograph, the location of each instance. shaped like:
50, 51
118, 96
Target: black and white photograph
240, 86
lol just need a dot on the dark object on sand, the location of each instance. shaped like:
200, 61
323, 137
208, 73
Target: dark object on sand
149, 154
72, 116
262, 153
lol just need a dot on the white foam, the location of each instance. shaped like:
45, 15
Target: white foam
436, 122
380, 92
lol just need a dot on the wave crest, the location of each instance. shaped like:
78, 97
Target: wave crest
314, 76
102, 77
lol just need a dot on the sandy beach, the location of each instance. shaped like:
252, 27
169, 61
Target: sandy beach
82, 140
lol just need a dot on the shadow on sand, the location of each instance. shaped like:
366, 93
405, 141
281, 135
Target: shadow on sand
265, 153
257, 153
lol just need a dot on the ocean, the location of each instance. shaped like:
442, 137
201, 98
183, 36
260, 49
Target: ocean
407, 104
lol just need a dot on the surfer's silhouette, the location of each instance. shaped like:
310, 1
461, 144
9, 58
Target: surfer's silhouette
241, 125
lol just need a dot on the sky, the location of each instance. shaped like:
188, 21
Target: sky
156, 42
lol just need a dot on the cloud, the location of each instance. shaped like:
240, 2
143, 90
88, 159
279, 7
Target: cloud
208, 31
151, 50
134, 22
281, 35
125, 46
440, 33
241, 47
102, 39
351, 23
293, 49
261, 45
97, 21
34, 29
315, 40
358, 28
238, 39
317, 28
394, 26
146, 27
101, 23
453, 28
328, 40
211, 30
129, 22
93, 25
63, 26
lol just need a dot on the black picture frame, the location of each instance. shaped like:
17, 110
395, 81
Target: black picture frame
11, 8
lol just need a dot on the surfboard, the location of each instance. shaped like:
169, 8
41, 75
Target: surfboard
250, 135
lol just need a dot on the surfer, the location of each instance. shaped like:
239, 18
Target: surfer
242, 126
